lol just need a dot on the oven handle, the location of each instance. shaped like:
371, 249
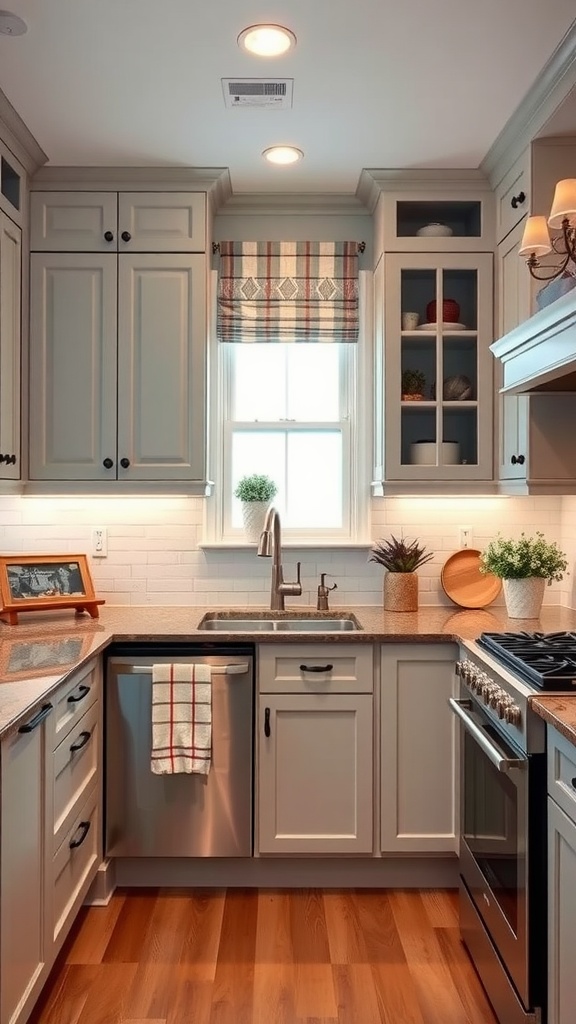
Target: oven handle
495, 755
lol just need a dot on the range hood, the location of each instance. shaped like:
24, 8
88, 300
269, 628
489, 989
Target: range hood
539, 356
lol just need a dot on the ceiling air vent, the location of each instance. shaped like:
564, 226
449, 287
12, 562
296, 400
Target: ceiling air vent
258, 92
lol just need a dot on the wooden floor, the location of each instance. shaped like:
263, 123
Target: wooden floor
266, 957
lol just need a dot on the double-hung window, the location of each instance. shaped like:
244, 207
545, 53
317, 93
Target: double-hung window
293, 412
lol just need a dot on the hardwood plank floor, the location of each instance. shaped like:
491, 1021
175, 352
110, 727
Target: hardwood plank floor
298, 956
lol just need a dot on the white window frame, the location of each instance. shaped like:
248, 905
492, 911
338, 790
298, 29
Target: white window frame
356, 435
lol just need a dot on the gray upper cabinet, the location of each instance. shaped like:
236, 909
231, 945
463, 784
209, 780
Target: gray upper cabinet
10, 334
118, 222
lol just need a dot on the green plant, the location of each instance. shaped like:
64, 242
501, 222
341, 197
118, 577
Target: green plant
413, 382
527, 556
399, 555
256, 488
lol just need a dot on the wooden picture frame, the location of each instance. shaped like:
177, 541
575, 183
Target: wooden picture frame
35, 582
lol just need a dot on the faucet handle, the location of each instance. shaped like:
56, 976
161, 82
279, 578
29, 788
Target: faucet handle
292, 589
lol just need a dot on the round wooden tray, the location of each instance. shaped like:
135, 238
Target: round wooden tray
463, 582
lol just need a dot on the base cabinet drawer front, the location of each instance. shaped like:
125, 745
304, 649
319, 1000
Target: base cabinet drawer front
74, 866
561, 764
315, 668
75, 770
73, 699
561, 916
418, 737
315, 774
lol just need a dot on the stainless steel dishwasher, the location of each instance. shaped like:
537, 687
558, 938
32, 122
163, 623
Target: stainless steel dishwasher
149, 815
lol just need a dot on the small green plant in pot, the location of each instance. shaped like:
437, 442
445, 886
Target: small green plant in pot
401, 558
524, 565
255, 492
413, 384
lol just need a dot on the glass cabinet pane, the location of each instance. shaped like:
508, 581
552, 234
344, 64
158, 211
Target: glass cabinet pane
461, 219
10, 183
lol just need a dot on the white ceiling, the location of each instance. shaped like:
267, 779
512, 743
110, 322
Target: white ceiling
414, 83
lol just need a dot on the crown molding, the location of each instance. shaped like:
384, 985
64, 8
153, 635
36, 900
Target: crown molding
293, 203
375, 180
552, 86
19, 138
214, 180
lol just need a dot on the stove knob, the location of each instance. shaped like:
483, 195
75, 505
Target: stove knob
503, 702
512, 714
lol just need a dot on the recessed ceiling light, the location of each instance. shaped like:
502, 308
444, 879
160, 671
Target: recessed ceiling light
11, 24
267, 40
283, 154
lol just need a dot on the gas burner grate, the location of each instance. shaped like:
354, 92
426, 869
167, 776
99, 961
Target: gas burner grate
547, 660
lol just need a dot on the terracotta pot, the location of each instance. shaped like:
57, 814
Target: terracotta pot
401, 592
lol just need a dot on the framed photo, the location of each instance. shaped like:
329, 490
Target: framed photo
32, 582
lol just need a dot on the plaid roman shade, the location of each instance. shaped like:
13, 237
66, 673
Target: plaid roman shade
288, 291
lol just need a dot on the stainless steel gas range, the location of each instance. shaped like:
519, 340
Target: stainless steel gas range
503, 812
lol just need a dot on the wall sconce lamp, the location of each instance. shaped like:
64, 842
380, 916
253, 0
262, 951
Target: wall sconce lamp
536, 240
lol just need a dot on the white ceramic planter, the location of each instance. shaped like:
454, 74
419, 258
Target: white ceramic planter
524, 597
254, 514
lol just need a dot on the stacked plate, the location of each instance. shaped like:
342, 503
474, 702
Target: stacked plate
443, 327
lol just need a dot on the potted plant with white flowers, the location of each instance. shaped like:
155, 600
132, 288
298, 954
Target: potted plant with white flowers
524, 565
255, 492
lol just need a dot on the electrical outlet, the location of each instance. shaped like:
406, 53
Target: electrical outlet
99, 542
465, 536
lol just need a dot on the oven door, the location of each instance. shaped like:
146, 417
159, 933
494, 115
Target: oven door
494, 837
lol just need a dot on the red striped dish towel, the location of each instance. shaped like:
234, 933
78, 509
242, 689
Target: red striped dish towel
181, 719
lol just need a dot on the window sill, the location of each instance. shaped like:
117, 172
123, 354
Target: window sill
236, 545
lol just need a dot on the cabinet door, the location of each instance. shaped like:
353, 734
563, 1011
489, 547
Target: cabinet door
513, 308
161, 367
441, 430
22, 946
162, 222
72, 366
561, 916
10, 335
73, 221
315, 773
418, 749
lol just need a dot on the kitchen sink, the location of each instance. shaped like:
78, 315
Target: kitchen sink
279, 624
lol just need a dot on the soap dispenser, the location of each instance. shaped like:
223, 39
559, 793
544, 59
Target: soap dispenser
323, 591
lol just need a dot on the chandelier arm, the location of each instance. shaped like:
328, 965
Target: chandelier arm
533, 265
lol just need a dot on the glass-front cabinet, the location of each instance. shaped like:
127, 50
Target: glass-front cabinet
437, 367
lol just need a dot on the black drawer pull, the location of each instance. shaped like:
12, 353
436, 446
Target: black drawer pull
316, 668
83, 691
518, 460
266, 721
37, 720
84, 828
80, 742
517, 201
573, 781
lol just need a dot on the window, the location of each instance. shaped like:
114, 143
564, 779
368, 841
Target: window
293, 412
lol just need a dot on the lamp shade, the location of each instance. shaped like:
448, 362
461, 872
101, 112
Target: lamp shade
564, 205
536, 238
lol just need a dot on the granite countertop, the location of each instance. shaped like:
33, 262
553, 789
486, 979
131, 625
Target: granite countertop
44, 647
559, 711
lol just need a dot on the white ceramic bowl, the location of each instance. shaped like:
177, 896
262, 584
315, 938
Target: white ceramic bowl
435, 231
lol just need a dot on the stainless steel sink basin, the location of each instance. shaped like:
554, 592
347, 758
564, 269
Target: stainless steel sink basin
272, 624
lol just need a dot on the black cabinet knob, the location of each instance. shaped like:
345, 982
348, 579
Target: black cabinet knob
109, 236
518, 460
517, 201
124, 463
108, 463
125, 236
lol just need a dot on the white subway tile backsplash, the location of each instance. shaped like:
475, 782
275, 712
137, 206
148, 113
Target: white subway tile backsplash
154, 555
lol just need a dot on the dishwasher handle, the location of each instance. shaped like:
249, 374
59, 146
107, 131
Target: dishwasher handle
235, 669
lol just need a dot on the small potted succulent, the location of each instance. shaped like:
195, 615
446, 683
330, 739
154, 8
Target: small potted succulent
255, 492
400, 558
524, 565
413, 384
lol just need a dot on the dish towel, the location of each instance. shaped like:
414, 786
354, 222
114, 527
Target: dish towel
181, 719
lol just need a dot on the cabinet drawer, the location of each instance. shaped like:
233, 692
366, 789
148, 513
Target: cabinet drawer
73, 699
315, 668
510, 206
75, 864
75, 769
562, 771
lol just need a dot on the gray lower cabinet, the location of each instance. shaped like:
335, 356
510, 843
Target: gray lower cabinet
117, 367
418, 751
561, 879
315, 749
